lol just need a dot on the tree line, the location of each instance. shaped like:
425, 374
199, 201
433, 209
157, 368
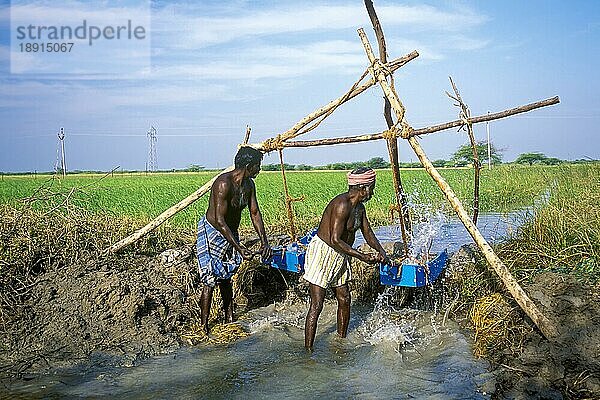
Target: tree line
462, 157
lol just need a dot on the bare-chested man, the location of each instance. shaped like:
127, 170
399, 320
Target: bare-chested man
218, 246
328, 254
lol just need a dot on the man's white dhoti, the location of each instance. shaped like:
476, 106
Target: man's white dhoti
324, 266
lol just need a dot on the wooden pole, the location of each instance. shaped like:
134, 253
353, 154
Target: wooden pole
294, 130
465, 113
425, 130
378, 73
288, 200
509, 281
392, 142
155, 223
247, 137
488, 117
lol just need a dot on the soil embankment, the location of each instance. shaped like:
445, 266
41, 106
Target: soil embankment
567, 365
125, 311
122, 308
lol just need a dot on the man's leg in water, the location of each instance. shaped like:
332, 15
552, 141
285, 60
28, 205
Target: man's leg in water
342, 293
317, 296
205, 301
227, 295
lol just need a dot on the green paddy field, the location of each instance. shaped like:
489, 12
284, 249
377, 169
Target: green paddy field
144, 196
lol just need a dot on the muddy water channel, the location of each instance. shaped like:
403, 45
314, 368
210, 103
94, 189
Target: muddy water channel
389, 353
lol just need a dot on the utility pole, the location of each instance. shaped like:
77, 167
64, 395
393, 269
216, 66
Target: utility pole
61, 137
487, 128
152, 164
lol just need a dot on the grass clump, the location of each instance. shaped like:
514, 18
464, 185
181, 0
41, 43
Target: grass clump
220, 334
564, 235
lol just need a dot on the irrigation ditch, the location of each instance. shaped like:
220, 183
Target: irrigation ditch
119, 310
65, 302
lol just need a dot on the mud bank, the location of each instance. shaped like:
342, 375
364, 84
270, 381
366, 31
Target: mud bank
121, 311
567, 366
127, 312
532, 367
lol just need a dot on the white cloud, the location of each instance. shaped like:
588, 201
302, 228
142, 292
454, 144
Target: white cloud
200, 31
74, 12
463, 43
81, 24
287, 41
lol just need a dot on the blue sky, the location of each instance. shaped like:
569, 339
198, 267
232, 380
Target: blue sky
216, 66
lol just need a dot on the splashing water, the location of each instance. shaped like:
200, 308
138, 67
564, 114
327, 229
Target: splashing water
408, 328
425, 232
383, 324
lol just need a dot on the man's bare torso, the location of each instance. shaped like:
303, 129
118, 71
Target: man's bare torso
351, 225
237, 199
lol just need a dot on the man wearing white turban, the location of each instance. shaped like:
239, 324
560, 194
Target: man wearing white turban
328, 255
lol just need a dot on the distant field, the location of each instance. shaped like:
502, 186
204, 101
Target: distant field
144, 196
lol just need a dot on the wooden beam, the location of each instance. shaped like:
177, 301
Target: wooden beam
401, 205
390, 67
426, 130
488, 117
511, 284
379, 74
183, 204
465, 113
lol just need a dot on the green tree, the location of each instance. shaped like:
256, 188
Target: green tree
464, 154
303, 167
552, 161
531, 158
194, 168
270, 167
377, 162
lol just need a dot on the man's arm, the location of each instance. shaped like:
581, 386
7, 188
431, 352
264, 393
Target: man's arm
340, 214
259, 226
370, 237
220, 191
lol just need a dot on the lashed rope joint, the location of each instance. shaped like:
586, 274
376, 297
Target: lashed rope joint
464, 115
407, 130
376, 68
391, 133
403, 131
272, 144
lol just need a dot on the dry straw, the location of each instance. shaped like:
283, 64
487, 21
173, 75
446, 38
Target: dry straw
497, 325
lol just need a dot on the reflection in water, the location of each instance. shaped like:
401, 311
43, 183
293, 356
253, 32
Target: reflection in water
389, 353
